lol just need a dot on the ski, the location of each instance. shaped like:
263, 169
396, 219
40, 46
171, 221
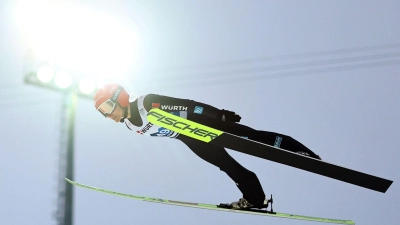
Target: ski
240, 144
220, 207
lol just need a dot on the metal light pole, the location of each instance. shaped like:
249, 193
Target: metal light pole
66, 160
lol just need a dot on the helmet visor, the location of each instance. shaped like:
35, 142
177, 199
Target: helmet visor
106, 108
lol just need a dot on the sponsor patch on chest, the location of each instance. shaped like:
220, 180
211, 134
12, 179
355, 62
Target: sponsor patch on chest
145, 128
174, 107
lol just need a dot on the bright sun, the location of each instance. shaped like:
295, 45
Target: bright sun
90, 42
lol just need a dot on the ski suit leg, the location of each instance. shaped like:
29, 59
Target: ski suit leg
246, 181
281, 141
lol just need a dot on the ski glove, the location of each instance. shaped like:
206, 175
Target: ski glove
229, 116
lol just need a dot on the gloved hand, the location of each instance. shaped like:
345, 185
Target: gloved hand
226, 115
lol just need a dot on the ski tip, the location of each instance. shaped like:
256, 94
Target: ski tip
69, 181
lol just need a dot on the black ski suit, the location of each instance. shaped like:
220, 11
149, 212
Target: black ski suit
224, 120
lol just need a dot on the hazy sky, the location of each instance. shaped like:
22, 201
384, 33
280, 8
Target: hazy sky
323, 72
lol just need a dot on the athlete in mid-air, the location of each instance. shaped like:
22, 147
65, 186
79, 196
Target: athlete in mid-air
113, 102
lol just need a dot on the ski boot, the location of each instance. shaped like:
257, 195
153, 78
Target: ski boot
244, 204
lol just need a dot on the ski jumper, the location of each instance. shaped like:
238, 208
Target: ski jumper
245, 180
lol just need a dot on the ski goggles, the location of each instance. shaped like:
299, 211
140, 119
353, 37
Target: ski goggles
107, 107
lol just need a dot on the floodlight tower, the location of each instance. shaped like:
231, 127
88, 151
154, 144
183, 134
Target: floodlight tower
43, 75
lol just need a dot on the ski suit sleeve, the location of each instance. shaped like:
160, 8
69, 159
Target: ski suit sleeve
170, 104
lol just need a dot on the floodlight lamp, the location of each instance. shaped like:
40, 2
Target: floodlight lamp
45, 74
63, 79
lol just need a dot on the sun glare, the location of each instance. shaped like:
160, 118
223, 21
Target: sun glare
87, 85
90, 42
